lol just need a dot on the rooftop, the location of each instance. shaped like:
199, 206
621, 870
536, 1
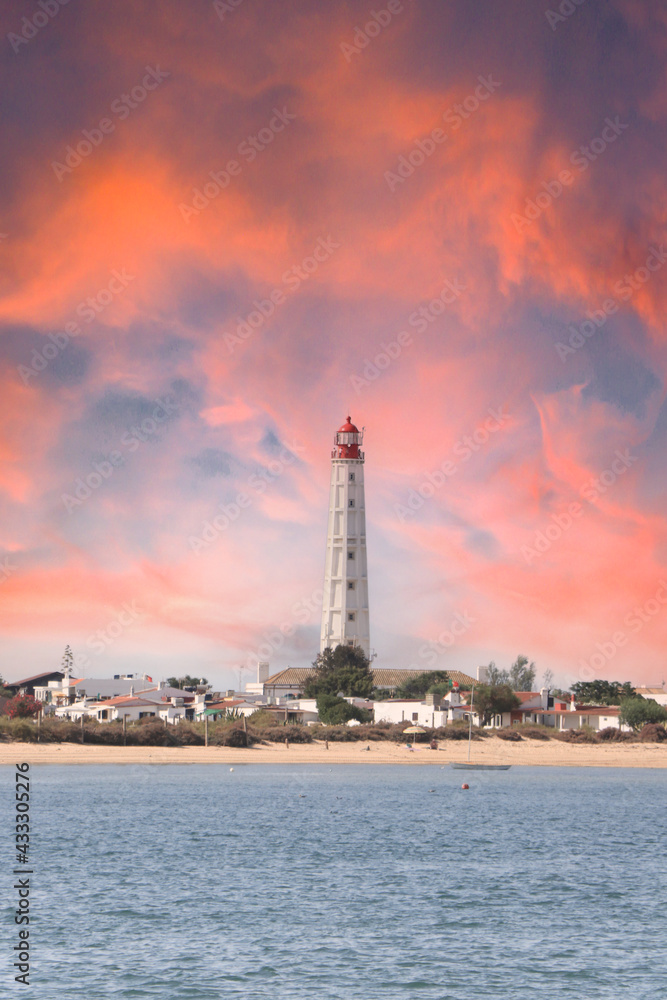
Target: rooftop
125, 700
35, 677
295, 676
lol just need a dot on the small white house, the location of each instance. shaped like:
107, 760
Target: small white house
658, 694
129, 707
410, 711
75, 711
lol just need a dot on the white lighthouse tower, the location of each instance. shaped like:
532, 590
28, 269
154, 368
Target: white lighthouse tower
345, 606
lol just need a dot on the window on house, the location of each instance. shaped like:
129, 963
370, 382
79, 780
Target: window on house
351, 616
415, 716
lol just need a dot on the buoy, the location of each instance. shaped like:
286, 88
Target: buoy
231, 769
465, 786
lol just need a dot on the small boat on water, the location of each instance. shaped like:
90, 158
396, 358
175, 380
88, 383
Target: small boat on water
481, 767
466, 765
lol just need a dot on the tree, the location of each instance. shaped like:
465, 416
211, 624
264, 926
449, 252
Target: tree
522, 674
494, 699
197, 684
637, 711
67, 661
548, 678
23, 706
417, 687
335, 711
443, 688
343, 670
4, 692
599, 692
496, 676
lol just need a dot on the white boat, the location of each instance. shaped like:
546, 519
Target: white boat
481, 767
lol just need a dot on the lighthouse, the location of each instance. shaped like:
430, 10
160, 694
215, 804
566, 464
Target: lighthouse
345, 605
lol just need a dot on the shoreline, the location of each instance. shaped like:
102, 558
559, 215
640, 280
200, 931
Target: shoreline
493, 750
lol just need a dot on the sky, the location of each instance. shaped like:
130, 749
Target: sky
226, 226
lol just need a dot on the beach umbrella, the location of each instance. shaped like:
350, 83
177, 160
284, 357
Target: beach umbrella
413, 729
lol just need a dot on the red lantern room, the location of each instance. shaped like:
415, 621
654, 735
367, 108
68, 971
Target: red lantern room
347, 441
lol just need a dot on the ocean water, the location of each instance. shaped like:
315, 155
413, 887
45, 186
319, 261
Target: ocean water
300, 881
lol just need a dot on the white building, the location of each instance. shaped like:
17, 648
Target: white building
433, 712
71, 689
658, 694
345, 618
257, 687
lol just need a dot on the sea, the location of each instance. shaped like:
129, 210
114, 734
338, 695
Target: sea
359, 882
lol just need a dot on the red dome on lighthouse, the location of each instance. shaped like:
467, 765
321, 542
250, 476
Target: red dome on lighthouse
347, 441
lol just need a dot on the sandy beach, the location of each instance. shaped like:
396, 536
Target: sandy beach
490, 751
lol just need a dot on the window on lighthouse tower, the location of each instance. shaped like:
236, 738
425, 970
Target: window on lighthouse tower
350, 503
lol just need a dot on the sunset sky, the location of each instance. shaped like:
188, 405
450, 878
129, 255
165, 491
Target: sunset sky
226, 226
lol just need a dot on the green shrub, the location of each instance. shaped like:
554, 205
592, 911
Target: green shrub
613, 735
22, 730
333, 710
653, 732
337, 734
586, 734
261, 718
152, 733
231, 736
188, 735
294, 732
533, 731
511, 735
